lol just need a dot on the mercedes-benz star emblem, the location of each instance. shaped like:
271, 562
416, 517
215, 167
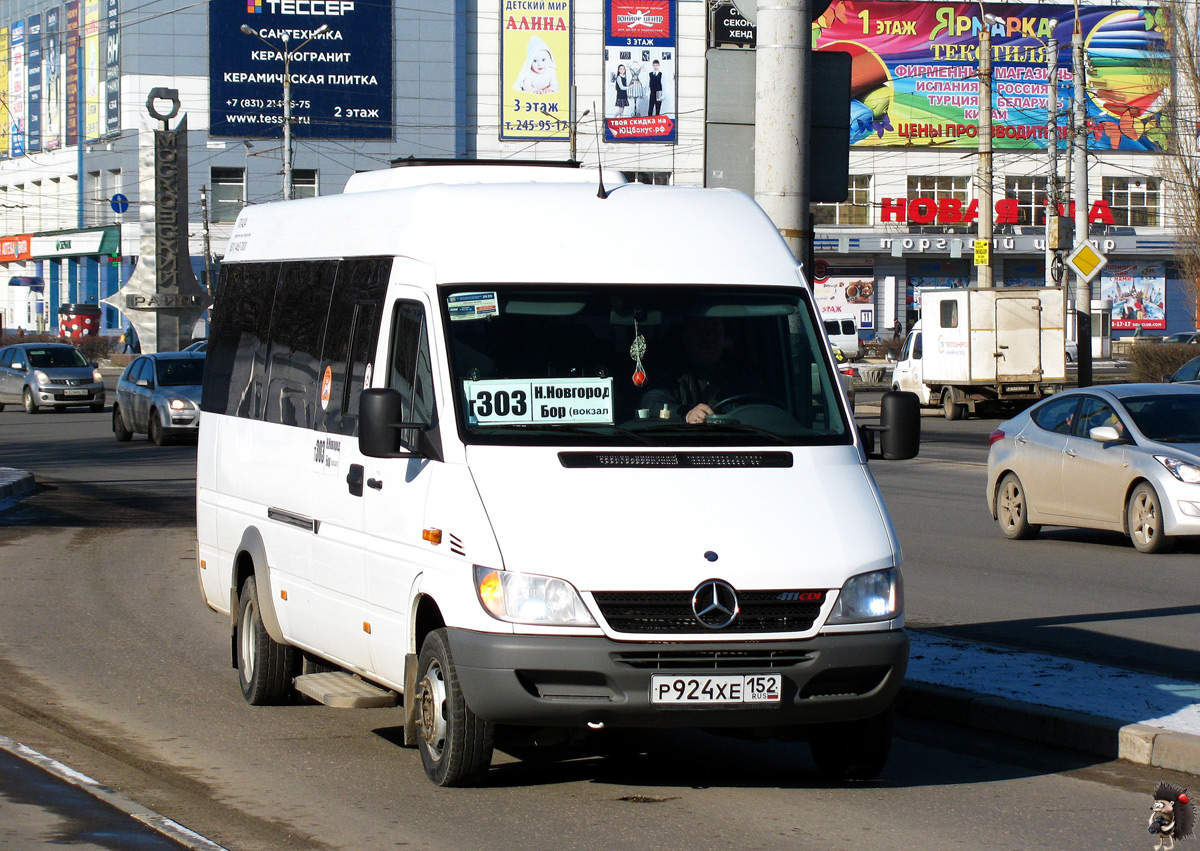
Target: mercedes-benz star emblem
715, 604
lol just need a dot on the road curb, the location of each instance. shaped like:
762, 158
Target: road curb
15, 484
161, 824
1106, 737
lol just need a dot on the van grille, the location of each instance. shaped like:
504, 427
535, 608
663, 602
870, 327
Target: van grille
676, 659
675, 459
671, 611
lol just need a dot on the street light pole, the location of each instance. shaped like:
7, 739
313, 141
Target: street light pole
1051, 213
1083, 286
984, 172
286, 52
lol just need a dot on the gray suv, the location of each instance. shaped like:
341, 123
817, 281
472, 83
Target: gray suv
49, 375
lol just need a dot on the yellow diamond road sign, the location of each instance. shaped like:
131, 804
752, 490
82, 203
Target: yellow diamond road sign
1086, 261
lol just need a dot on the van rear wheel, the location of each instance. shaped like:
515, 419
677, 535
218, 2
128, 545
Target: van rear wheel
853, 750
455, 744
264, 665
950, 408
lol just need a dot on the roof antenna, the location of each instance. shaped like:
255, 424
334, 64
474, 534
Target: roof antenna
602, 192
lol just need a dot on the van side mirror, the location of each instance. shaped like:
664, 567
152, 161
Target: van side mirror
899, 428
381, 431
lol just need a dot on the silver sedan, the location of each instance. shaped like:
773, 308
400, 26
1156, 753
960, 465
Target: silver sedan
159, 395
1123, 457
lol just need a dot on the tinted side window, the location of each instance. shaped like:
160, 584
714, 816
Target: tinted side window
1187, 372
297, 328
1093, 413
235, 373
1057, 415
351, 333
6, 356
410, 370
138, 369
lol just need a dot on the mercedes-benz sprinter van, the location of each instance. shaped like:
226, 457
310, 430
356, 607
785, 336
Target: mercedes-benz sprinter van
544, 456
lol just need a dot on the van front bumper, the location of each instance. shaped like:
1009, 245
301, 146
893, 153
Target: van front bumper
537, 680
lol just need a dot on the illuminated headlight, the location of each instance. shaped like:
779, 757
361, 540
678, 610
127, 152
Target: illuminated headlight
1181, 470
180, 404
41, 377
529, 599
96, 376
875, 596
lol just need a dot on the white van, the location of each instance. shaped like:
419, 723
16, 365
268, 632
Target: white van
448, 448
843, 335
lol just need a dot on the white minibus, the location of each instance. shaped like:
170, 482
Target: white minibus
542, 455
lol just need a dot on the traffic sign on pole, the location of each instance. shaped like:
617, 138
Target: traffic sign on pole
1086, 261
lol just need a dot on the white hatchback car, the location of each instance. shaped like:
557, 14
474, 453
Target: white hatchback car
1123, 457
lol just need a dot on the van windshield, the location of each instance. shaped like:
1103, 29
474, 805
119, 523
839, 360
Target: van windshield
641, 365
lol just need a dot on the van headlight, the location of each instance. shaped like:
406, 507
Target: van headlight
875, 596
41, 377
526, 598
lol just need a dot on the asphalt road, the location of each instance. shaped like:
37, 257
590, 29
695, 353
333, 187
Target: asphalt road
110, 662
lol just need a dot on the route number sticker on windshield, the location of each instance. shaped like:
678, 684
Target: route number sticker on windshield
472, 306
540, 401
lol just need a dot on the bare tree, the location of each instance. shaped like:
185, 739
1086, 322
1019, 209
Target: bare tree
1180, 68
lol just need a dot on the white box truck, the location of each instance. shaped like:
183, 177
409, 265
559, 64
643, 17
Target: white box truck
451, 451
978, 348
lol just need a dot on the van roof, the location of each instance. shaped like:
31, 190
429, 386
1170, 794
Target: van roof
530, 232
403, 176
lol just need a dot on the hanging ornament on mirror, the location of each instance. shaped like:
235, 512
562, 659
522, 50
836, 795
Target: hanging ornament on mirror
636, 351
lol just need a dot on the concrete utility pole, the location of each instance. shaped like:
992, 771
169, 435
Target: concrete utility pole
783, 67
983, 177
286, 52
1083, 286
1052, 155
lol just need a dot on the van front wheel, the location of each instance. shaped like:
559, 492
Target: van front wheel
853, 750
265, 666
455, 744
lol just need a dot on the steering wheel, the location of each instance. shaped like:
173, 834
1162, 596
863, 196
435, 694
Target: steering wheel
743, 399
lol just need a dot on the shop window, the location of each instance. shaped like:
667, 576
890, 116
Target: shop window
1030, 195
1134, 201
855, 210
928, 186
228, 193
654, 178
304, 183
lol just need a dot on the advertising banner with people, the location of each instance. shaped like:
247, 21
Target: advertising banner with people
640, 66
536, 56
1138, 295
915, 73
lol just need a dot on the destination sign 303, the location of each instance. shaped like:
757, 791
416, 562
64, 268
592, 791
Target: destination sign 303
340, 80
540, 401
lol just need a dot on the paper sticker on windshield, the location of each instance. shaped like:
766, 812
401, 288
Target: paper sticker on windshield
326, 388
472, 305
541, 401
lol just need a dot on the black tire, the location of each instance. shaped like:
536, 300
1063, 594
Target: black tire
455, 744
119, 428
1144, 520
265, 666
1, 406
31, 407
853, 750
1012, 509
155, 430
951, 409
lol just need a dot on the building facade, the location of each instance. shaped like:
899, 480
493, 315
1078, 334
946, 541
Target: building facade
638, 87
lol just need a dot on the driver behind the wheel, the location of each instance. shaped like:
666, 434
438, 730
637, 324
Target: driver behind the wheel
705, 377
